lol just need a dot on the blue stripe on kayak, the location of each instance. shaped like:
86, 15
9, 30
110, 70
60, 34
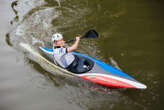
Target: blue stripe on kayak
47, 49
106, 66
101, 64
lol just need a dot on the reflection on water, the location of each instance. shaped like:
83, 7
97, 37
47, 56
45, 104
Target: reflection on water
130, 34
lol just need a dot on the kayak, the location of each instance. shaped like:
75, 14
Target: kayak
98, 71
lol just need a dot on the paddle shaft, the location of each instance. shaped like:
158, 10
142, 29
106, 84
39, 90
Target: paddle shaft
90, 34
69, 41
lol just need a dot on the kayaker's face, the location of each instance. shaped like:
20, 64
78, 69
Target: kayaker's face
60, 42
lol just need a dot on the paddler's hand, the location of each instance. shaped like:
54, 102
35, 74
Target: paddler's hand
77, 38
75, 45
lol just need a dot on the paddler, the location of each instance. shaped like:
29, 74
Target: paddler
63, 56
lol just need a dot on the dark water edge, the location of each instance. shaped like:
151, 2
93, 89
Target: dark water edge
131, 33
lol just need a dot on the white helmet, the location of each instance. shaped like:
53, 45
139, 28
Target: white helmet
56, 37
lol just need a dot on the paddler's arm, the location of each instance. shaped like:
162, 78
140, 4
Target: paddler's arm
74, 46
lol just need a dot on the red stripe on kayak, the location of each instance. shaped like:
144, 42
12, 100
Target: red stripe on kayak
107, 81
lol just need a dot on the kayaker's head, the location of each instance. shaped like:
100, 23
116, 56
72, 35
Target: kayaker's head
57, 39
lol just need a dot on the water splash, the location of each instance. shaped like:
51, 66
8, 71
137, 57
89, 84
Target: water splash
58, 1
114, 63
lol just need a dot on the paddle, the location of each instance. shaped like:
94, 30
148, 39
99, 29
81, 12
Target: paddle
90, 34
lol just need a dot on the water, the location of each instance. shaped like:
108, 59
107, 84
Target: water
131, 34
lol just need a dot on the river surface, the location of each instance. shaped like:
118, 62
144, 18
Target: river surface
131, 34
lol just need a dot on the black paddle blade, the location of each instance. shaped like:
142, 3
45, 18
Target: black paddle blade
91, 34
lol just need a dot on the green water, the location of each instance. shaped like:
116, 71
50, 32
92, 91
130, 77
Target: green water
131, 38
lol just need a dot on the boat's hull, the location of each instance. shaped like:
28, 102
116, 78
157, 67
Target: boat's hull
103, 74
